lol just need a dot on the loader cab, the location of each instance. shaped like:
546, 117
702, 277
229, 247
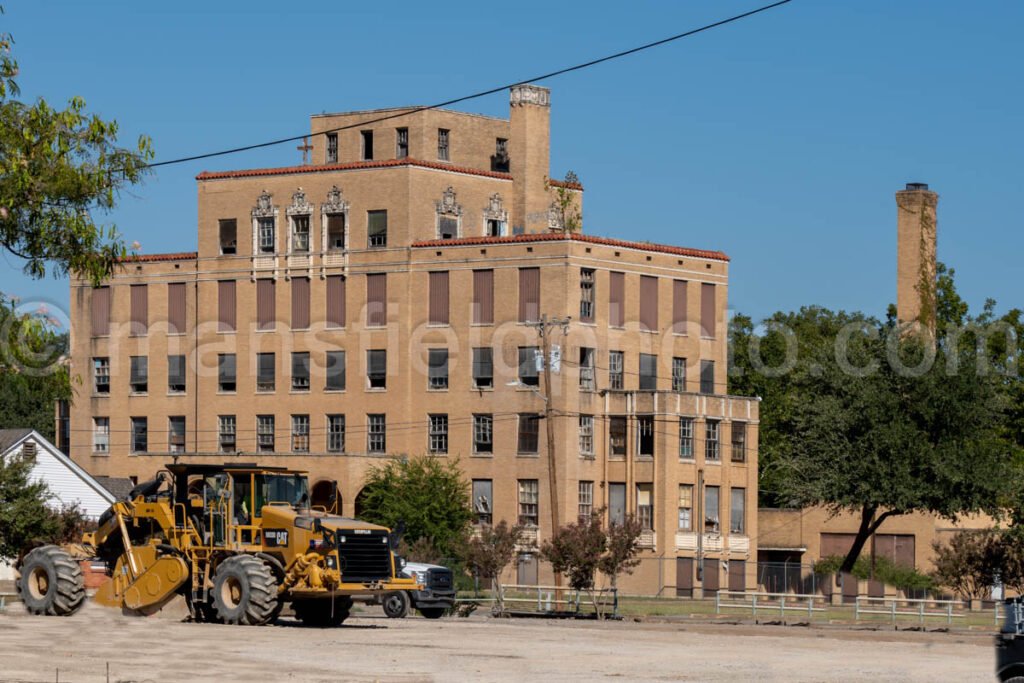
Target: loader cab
225, 502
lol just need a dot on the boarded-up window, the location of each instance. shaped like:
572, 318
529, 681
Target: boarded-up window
376, 299
335, 370
679, 306
439, 298
226, 306
139, 310
707, 310
707, 377
176, 308
616, 299
266, 307
100, 306
300, 303
648, 303
483, 297
836, 545
529, 294
335, 301
897, 548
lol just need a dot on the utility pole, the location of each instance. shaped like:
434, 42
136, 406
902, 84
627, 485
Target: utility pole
544, 328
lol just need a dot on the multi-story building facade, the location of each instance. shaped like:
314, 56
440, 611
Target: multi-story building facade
381, 300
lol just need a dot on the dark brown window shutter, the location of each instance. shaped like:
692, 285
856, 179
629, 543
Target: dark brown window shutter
707, 310
376, 299
139, 310
266, 307
300, 303
100, 310
648, 303
529, 294
483, 297
335, 301
226, 317
679, 306
616, 299
439, 298
176, 308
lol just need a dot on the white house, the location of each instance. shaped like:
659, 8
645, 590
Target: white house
68, 482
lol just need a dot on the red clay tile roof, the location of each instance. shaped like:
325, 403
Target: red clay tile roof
150, 258
568, 186
575, 237
351, 166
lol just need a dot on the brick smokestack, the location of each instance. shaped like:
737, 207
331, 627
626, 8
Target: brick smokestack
916, 237
530, 156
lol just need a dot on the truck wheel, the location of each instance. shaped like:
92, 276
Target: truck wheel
320, 612
244, 591
396, 605
433, 612
51, 582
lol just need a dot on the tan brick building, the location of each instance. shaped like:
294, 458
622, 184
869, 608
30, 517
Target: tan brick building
377, 303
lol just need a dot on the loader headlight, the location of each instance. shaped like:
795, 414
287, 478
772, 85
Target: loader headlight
332, 562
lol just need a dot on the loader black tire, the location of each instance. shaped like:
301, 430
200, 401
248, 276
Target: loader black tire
51, 582
244, 591
320, 613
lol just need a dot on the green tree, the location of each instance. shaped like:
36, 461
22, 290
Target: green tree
428, 494
623, 545
860, 416
25, 518
32, 377
58, 168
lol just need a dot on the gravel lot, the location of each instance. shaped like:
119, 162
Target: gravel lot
370, 647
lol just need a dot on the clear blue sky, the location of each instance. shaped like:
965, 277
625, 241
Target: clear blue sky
780, 139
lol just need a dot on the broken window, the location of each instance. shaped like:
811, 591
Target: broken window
300, 234
367, 138
482, 496
587, 295
377, 368
332, 148
617, 435
442, 144
228, 236
483, 433
437, 441
645, 436
176, 434
586, 369
401, 143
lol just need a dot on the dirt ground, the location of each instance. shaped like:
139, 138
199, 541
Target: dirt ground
370, 647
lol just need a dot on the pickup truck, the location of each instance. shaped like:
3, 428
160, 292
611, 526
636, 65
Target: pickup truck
437, 596
1010, 644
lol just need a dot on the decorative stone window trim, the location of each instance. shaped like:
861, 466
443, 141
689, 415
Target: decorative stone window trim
495, 211
448, 207
335, 204
299, 207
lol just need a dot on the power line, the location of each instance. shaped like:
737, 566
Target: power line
483, 93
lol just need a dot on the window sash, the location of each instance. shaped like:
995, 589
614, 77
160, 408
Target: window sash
483, 367
586, 295
679, 374
300, 433
300, 371
139, 379
528, 365
226, 429
176, 434
442, 144
335, 232
376, 433
587, 369
335, 361
528, 502
587, 434
437, 368
585, 507
711, 510
300, 233
140, 435
176, 373
529, 432
332, 148
482, 497
737, 510
265, 433
648, 372
265, 228
377, 367
438, 435
377, 227
617, 435
483, 434
711, 444
686, 438
101, 434
265, 371
615, 370
739, 441
336, 433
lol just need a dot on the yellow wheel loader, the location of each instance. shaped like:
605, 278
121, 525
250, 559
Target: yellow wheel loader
237, 541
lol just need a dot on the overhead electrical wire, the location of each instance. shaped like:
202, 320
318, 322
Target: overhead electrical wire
482, 93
